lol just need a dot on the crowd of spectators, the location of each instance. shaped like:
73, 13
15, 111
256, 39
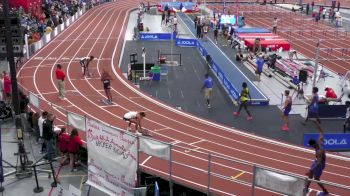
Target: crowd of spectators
53, 14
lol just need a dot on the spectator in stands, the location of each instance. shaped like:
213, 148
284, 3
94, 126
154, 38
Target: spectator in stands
7, 87
63, 141
48, 135
307, 8
338, 6
244, 101
330, 93
259, 66
73, 148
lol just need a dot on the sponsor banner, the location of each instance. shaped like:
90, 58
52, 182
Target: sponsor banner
202, 50
34, 100
156, 36
278, 182
76, 121
155, 148
186, 42
112, 162
215, 67
332, 141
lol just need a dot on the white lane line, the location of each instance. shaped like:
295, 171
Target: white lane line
145, 161
202, 140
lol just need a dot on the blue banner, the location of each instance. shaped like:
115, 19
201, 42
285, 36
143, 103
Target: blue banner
156, 36
333, 141
186, 42
201, 49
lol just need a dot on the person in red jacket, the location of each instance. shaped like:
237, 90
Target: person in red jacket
330, 93
60, 77
7, 87
73, 148
63, 140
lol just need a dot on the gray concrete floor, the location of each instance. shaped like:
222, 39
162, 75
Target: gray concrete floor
182, 89
17, 187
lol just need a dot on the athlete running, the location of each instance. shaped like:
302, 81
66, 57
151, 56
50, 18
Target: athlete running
106, 80
244, 100
319, 163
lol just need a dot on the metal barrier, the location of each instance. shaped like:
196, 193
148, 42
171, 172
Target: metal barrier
211, 171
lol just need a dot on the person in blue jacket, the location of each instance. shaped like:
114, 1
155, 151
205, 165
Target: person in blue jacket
259, 66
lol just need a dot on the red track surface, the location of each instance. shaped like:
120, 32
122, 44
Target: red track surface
100, 32
343, 3
303, 33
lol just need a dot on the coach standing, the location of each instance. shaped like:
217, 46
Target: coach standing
60, 77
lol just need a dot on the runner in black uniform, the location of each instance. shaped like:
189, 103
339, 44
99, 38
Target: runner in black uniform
106, 80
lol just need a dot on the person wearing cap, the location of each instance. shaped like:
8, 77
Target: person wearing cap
330, 93
259, 66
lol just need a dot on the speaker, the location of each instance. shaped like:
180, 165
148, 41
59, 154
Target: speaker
303, 76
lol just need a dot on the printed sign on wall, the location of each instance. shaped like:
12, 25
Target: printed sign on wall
112, 161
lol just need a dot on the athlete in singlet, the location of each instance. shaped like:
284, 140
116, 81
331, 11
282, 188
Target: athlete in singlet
84, 62
136, 117
286, 109
244, 100
106, 80
319, 163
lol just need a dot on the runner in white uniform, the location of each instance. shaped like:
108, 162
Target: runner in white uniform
84, 62
136, 117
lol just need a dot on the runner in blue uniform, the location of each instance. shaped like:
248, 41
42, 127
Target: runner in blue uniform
286, 109
319, 163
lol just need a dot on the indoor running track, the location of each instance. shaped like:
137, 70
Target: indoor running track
100, 33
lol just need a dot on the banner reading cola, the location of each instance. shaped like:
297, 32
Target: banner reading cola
112, 162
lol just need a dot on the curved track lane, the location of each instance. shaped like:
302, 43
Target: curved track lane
100, 32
